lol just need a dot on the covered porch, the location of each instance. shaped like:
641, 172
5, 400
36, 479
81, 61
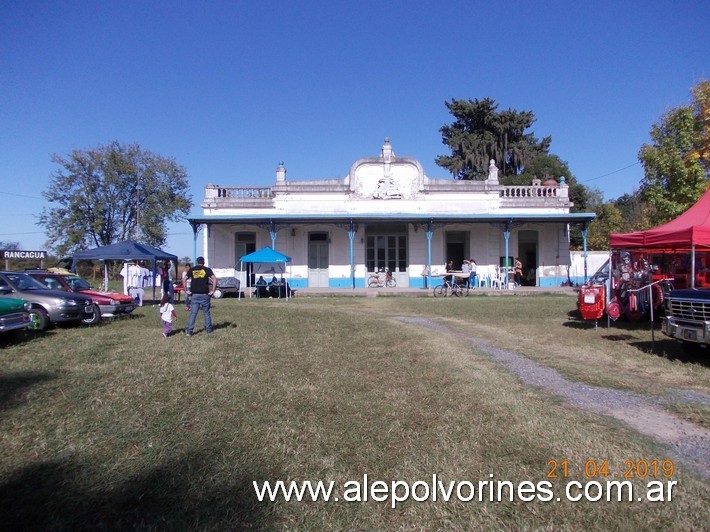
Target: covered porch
332, 251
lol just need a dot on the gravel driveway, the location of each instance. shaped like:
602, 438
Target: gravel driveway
688, 443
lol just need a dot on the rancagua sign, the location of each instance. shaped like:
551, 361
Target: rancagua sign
22, 254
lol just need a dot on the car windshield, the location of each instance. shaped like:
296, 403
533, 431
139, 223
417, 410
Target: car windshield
601, 275
77, 283
22, 281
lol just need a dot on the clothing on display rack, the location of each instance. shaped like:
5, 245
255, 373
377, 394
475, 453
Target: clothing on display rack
135, 279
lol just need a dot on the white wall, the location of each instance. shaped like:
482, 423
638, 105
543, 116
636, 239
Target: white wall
595, 259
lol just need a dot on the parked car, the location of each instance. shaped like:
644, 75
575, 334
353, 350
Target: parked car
106, 304
47, 306
14, 314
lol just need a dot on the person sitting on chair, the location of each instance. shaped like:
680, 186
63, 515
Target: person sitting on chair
274, 287
262, 289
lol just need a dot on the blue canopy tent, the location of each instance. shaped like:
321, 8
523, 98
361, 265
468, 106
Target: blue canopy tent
125, 251
266, 261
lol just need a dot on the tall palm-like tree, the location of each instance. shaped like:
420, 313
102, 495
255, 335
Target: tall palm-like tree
481, 133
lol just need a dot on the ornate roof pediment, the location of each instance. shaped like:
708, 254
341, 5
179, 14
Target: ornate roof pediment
387, 176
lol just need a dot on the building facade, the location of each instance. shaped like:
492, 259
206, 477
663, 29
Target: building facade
387, 213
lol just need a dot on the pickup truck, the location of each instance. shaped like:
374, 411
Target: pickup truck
688, 319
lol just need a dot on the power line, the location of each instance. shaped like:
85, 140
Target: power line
610, 173
20, 195
28, 233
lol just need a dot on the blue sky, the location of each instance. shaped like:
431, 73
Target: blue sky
230, 88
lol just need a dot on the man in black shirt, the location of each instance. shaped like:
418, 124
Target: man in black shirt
202, 285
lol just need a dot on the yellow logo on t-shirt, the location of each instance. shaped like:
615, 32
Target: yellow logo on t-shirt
199, 274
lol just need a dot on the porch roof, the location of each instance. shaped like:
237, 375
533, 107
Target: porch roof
582, 218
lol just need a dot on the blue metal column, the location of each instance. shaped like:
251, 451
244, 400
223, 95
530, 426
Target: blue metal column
195, 230
273, 231
429, 234
351, 235
506, 234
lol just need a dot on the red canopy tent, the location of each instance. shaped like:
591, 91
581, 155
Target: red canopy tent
689, 230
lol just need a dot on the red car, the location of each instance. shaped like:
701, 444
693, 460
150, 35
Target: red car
106, 304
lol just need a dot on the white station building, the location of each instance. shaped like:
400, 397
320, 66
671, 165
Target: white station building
387, 213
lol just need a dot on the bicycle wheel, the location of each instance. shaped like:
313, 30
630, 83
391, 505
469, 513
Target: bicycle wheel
373, 281
391, 283
464, 290
439, 291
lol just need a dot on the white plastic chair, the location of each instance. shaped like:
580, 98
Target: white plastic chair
482, 277
500, 280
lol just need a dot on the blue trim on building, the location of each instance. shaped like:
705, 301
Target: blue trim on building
298, 283
402, 217
420, 282
340, 283
417, 282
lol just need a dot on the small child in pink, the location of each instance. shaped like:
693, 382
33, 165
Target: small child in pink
167, 314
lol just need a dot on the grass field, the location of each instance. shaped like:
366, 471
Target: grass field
114, 427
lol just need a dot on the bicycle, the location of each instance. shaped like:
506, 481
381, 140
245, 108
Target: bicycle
457, 288
377, 280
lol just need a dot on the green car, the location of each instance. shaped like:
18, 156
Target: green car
14, 314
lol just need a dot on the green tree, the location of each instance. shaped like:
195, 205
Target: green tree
635, 213
677, 161
481, 133
546, 165
608, 221
542, 167
113, 193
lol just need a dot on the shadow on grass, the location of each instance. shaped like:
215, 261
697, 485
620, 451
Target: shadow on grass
15, 387
673, 350
583, 325
223, 325
181, 494
199, 328
622, 324
18, 337
661, 346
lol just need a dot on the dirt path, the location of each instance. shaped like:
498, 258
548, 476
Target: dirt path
688, 443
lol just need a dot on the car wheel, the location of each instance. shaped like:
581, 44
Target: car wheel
94, 318
39, 318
